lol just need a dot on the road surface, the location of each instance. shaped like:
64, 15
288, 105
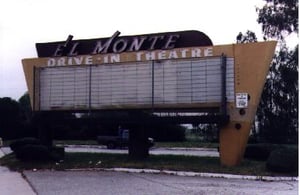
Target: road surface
105, 182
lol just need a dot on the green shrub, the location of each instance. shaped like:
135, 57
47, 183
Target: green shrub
31, 152
57, 153
15, 145
259, 151
31, 149
283, 160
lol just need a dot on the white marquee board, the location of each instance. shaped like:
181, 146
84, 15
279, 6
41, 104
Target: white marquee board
121, 85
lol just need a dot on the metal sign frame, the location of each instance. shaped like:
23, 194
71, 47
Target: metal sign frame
217, 112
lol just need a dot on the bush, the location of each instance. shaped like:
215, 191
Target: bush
14, 146
31, 152
258, 151
31, 149
57, 153
283, 160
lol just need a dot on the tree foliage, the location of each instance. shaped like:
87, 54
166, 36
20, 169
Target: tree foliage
9, 116
278, 110
15, 118
249, 37
277, 115
278, 18
25, 107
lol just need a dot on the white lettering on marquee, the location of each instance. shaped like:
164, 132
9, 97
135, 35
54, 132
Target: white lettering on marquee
78, 60
208, 51
51, 62
173, 54
150, 56
88, 60
162, 55
61, 62
115, 58
137, 56
183, 53
111, 58
196, 53
66, 61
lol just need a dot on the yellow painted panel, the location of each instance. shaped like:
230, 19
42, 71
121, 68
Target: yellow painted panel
252, 63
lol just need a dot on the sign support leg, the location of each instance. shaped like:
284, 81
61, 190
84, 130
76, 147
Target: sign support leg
138, 146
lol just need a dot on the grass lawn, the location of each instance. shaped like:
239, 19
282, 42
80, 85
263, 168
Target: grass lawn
185, 144
160, 162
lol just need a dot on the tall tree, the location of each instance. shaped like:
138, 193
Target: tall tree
278, 111
10, 118
278, 18
25, 107
277, 114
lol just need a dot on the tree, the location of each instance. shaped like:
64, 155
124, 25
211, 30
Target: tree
9, 117
249, 37
25, 107
278, 111
278, 18
277, 115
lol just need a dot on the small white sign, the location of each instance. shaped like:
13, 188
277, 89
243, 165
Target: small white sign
241, 100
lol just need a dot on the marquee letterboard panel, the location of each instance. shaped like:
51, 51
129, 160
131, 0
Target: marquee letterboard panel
164, 83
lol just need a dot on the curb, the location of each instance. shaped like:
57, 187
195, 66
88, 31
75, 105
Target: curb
192, 174
153, 148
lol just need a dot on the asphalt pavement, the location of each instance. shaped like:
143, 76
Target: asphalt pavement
138, 181
128, 183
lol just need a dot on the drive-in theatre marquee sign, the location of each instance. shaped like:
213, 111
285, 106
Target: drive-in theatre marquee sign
168, 71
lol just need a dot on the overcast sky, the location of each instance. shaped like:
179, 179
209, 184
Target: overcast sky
26, 22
